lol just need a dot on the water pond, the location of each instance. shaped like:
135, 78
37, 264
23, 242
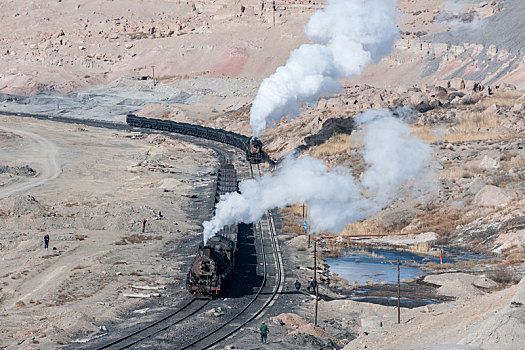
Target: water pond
377, 265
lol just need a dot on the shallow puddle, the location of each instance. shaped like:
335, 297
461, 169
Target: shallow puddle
362, 266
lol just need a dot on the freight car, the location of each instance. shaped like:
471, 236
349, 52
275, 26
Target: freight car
215, 260
252, 147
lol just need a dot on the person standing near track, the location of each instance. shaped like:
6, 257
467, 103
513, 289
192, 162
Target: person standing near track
46, 241
144, 225
264, 332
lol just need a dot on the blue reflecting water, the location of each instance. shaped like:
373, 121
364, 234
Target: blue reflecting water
360, 267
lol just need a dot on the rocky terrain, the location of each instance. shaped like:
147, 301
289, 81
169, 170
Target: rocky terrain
457, 69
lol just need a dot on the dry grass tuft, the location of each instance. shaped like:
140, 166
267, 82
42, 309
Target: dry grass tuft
336, 144
515, 258
454, 173
19, 304
78, 267
137, 238
363, 228
503, 99
425, 133
473, 126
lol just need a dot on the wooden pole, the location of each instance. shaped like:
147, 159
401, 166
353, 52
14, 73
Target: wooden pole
315, 282
398, 294
274, 13
153, 68
305, 218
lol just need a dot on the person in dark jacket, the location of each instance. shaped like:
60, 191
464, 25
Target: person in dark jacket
264, 332
46, 241
144, 225
297, 284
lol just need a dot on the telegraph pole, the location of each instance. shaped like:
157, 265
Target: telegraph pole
398, 294
305, 224
274, 13
315, 282
153, 68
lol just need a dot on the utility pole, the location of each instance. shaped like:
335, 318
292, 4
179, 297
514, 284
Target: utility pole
398, 294
305, 224
274, 13
316, 287
153, 68
398, 267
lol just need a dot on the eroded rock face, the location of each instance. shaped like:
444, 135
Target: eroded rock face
491, 196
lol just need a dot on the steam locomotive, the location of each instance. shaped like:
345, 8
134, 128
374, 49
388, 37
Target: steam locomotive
251, 146
254, 153
214, 261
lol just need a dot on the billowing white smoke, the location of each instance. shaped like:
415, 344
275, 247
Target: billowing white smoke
334, 198
348, 35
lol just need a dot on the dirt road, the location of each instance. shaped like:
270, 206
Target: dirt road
47, 157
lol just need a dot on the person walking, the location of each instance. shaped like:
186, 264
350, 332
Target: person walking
144, 225
264, 332
46, 241
297, 285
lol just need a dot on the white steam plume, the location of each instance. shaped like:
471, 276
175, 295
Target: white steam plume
334, 197
348, 35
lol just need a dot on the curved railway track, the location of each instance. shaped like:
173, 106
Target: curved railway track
272, 269
254, 307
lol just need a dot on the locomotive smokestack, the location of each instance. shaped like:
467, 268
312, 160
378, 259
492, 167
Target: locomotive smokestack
348, 35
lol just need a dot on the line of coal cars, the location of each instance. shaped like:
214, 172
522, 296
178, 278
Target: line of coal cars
214, 261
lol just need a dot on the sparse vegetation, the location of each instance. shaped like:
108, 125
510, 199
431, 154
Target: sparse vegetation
336, 144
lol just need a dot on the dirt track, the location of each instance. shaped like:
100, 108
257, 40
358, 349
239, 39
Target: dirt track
47, 157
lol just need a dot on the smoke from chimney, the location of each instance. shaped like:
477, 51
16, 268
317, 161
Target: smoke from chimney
334, 198
348, 35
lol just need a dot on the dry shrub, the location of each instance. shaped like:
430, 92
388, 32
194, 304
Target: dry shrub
19, 304
366, 227
501, 98
441, 221
295, 210
336, 144
425, 133
292, 227
437, 266
454, 173
474, 121
334, 253
515, 258
78, 267
121, 242
502, 275
80, 237
137, 238
475, 126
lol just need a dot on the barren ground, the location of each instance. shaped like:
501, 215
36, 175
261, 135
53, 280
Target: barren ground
90, 188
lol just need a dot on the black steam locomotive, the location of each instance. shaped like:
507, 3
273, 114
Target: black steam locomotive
254, 153
214, 261
252, 147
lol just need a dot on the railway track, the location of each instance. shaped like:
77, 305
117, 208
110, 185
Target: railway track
271, 270
268, 249
184, 312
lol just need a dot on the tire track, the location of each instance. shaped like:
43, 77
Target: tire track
47, 157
